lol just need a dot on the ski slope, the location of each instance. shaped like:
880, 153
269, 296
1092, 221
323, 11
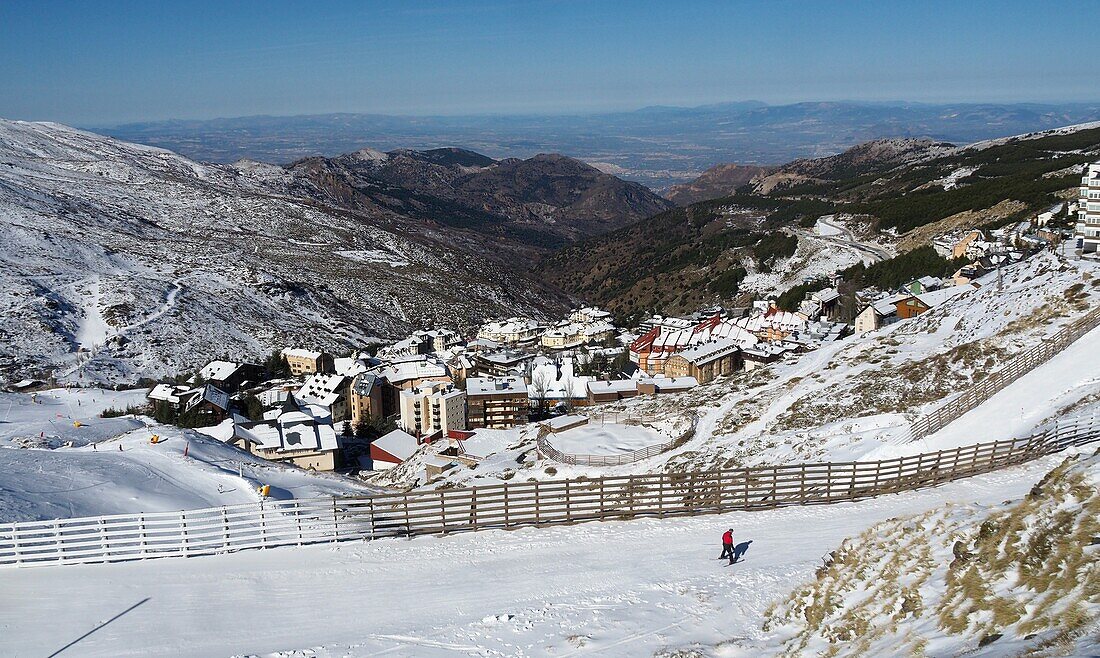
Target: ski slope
95, 477
609, 589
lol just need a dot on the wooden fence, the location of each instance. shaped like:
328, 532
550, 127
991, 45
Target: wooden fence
547, 450
1017, 367
509, 505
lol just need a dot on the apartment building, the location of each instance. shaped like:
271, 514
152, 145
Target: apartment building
496, 402
1088, 210
365, 399
307, 362
430, 408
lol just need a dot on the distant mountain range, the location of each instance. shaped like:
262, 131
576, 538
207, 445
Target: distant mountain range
657, 146
545, 201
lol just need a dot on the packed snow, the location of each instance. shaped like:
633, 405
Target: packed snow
615, 588
606, 439
83, 465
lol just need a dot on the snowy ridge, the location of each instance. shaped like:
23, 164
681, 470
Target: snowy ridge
124, 261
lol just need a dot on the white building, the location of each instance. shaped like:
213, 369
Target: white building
513, 331
327, 391
430, 408
1088, 210
589, 315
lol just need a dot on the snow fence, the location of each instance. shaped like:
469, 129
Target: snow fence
269, 524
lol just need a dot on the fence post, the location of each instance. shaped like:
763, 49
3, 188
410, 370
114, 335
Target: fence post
718, 489
58, 544
473, 508
142, 542
443, 511
538, 505
371, 512
745, 486
603, 497
408, 526
507, 520
263, 525
802, 484
661, 497
630, 494
298, 519
183, 525
225, 525
15, 544
568, 503
335, 522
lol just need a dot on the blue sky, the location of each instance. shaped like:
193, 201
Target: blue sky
98, 63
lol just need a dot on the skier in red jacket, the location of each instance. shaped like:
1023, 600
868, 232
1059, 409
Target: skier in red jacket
727, 545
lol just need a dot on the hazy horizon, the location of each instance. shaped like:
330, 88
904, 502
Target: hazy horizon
565, 113
125, 63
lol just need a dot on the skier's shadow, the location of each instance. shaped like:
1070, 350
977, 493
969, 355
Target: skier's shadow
740, 550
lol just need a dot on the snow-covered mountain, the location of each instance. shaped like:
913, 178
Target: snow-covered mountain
138, 261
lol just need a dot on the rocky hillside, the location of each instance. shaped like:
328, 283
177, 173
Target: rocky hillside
904, 192
545, 201
877, 156
718, 181
123, 260
1021, 579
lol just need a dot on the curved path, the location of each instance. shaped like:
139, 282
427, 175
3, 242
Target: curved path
844, 238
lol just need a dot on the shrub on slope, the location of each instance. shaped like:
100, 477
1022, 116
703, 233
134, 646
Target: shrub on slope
1021, 579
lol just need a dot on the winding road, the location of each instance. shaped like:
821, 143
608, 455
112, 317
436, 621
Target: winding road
844, 237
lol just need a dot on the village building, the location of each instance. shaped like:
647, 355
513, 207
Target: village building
611, 391
959, 250
409, 372
914, 305
589, 315
662, 385
554, 383
440, 340
501, 363
706, 361
392, 449
410, 346
922, 285
461, 366
328, 391
365, 399
762, 354
293, 436
430, 408
278, 392
349, 366
28, 386
211, 403
564, 335
168, 395
877, 314
1087, 228
968, 273
653, 348
496, 402
513, 331
307, 362
820, 303
230, 376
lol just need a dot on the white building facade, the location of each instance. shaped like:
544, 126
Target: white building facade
1088, 210
433, 407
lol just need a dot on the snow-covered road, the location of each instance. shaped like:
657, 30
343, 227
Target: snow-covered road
610, 589
838, 234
